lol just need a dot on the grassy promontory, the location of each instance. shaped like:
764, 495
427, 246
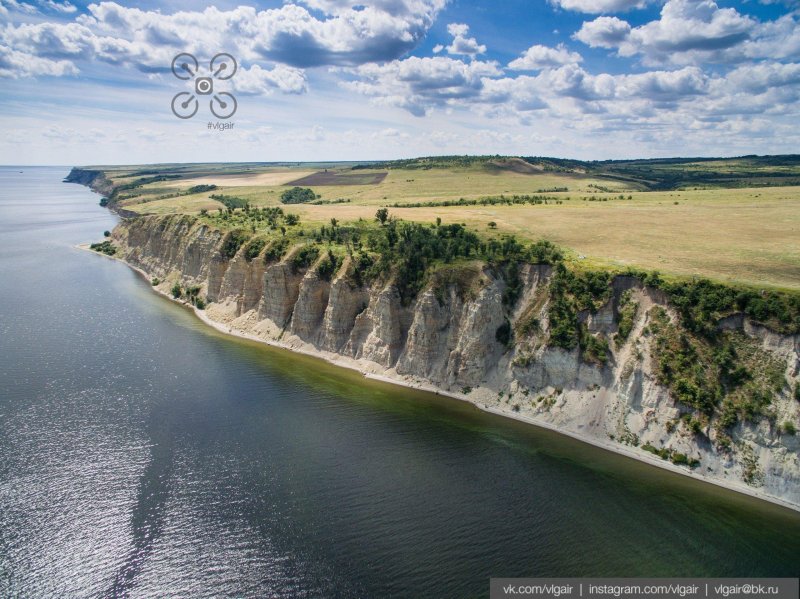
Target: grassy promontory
720, 377
410, 252
652, 308
696, 372
727, 220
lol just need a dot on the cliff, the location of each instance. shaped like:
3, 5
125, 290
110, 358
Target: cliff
458, 335
94, 179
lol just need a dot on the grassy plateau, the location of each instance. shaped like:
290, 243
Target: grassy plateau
730, 220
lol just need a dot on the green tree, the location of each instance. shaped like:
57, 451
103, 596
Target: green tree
382, 215
298, 195
233, 241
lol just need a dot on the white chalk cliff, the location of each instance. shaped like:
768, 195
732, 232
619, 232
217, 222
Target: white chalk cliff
447, 338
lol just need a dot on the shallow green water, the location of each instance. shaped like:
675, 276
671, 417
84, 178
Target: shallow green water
143, 453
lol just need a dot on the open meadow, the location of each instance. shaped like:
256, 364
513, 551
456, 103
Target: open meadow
728, 220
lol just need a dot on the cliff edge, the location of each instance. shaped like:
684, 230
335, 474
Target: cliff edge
94, 179
637, 379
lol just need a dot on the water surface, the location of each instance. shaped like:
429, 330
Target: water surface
142, 453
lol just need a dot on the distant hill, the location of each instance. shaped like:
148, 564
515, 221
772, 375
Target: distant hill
656, 174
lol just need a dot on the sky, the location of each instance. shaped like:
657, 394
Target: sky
92, 83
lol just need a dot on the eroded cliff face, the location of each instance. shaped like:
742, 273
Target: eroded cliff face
448, 337
93, 179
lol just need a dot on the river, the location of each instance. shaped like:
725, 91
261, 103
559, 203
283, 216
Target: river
144, 454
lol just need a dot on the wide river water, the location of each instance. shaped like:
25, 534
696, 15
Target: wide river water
144, 454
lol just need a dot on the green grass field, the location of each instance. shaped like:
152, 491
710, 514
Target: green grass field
734, 223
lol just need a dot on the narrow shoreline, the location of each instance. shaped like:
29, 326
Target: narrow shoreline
342, 362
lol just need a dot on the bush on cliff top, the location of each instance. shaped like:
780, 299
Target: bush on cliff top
328, 266
305, 257
233, 241
253, 248
702, 303
276, 249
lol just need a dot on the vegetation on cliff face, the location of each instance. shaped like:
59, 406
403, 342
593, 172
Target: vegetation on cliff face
628, 310
573, 293
253, 248
276, 250
233, 241
328, 266
684, 364
724, 379
305, 257
703, 303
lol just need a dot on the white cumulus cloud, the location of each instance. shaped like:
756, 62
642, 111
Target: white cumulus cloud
696, 32
543, 57
256, 80
600, 6
463, 45
16, 65
419, 84
604, 32
289, 36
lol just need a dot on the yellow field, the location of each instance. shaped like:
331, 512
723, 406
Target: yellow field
745, 235
436, 185
258, 180
263, 189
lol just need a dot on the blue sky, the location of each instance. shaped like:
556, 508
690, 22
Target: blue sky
90, 83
